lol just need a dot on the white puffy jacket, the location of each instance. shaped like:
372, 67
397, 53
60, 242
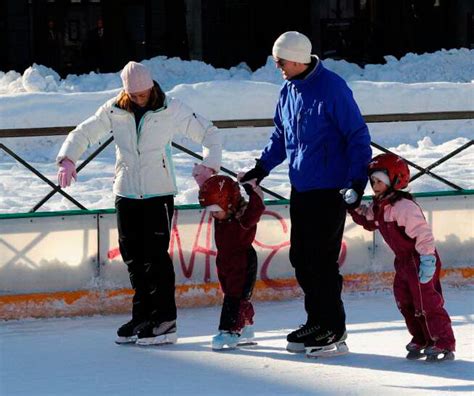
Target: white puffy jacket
144, 167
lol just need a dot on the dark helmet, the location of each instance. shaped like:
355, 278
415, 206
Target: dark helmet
395, 168
221, 191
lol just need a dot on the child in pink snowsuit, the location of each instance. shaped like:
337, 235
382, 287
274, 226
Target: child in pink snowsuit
416, 286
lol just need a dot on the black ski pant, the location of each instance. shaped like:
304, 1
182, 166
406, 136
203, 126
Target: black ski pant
317, 225
144, 234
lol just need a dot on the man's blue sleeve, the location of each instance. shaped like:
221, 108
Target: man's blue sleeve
350, 122
274, 152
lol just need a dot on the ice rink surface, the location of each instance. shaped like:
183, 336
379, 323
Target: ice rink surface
78, 356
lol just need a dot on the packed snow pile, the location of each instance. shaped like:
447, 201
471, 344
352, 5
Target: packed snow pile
455, 65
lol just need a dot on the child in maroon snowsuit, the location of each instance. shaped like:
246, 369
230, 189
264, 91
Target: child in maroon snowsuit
416, 287
235, 226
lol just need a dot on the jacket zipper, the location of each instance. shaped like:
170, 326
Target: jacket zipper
140, 192
168, 223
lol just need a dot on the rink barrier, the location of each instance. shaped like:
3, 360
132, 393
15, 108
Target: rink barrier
67, 263
242, 123
107, 302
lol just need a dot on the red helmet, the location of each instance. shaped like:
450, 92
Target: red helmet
220, 190
395, 168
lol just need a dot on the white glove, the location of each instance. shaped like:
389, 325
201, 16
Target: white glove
349, 195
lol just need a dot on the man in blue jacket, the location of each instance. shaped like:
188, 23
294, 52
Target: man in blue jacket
320, 131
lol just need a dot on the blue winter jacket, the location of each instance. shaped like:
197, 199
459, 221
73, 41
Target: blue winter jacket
320, 130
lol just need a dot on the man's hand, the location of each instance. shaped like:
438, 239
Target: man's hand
248, 186
352, 196
257, 173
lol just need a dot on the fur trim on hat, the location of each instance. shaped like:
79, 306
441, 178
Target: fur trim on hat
382, 176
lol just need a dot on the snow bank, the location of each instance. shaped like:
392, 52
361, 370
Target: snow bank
456, 65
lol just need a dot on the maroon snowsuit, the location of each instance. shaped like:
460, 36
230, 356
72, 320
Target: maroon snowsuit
237, 264
420, 304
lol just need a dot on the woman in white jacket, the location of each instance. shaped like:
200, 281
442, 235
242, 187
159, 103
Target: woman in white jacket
143, 120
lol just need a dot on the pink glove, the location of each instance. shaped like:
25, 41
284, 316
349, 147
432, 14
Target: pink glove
66, 172
201, 173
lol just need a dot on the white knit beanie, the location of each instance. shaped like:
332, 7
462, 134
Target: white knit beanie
292, 46
136, 78
382, 176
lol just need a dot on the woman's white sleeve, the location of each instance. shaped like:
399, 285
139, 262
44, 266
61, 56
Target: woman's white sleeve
202, 131
86, 134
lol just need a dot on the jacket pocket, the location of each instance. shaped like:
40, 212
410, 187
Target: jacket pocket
164, 164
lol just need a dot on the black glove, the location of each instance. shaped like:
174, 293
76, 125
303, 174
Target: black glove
356, 194
258, 172
248, 188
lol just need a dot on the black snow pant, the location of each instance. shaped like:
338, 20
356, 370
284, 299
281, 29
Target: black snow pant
144, 234
317, 225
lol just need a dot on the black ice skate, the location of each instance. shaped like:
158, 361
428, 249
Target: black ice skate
415, 351
326, 343
435, 354
154, 333
297, 338
127, 333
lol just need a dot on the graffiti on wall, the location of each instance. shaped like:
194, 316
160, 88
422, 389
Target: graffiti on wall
202, 246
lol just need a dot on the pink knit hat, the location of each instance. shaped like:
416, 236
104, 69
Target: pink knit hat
136, 78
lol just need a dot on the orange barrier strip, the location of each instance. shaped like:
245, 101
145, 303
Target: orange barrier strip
93, 302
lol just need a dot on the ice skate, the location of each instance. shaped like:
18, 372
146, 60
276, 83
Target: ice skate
415, 351
297, 338
127, 333
247, 337
326, 343
435, 354
225, 340
157, 333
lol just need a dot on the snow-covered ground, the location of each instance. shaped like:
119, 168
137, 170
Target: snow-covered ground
78, 356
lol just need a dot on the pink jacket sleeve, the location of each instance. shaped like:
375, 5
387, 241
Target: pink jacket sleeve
409, 215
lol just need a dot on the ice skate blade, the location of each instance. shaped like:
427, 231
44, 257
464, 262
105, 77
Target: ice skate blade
125, 340
415, 355
440, 357
295, 347
337, 349
247, 343
222, 346
163, 339
226, 347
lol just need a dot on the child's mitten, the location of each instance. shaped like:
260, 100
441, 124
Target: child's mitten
427, 268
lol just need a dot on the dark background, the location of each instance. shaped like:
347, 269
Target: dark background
222, 32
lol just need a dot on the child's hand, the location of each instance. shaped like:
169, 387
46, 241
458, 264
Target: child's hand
201, 173
362, 210
248, 186
427, 268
